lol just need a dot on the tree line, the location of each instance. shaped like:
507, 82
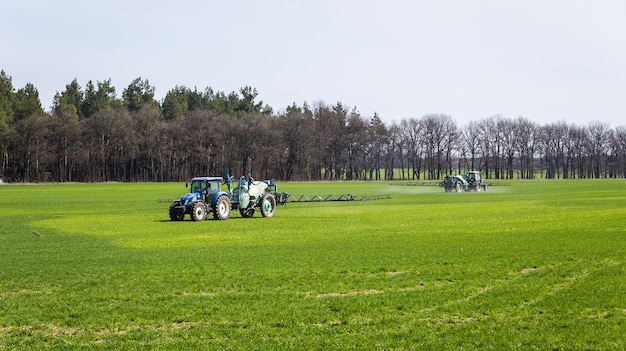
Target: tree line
92, 135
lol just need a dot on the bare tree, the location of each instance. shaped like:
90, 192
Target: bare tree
469, 146
412, 134
438, 134
508, 138
598, 133
526, 138
296, 127
554, 138
394, 150
619, 142
377, 147
356, 141
579, 149
489, 145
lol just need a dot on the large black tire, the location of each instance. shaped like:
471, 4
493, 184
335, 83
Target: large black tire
247, 212
176, 214
198, 212
221, 210
268, 205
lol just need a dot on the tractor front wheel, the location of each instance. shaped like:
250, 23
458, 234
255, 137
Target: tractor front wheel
175, 214
268, 205
198, 212
459, 187
222, 208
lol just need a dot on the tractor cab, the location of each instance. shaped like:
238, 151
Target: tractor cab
474, 181
473, 176
207, 187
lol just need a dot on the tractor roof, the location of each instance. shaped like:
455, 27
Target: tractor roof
207, 179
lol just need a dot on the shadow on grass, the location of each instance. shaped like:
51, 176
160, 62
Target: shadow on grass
186, 220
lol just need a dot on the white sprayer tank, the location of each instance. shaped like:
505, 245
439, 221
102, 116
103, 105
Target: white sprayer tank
246, 193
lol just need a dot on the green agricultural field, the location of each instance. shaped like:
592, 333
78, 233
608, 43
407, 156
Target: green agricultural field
528, 265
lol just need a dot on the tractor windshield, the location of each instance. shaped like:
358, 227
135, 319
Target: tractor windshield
203, 186
197, 186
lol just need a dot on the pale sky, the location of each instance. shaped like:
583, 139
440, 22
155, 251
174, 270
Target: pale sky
547, 60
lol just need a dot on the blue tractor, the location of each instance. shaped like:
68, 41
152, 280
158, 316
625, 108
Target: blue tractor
206, 196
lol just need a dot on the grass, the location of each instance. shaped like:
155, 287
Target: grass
534, 265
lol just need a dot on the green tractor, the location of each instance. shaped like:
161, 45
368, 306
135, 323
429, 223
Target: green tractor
470, 181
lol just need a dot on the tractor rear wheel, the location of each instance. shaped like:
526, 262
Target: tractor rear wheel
268, 205
198, 212
222, 208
